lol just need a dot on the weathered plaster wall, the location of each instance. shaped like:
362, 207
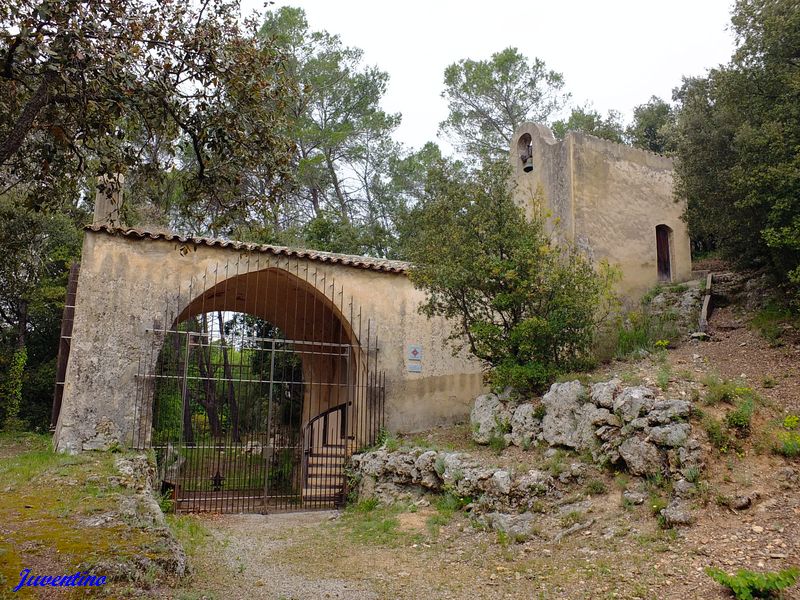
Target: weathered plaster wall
606, 198
127, 286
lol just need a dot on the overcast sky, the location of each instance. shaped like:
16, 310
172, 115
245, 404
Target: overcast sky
614, 53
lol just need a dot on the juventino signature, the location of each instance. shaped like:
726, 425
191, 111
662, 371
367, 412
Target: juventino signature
77, 580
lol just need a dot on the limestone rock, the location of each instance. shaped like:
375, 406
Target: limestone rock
603, 394
634, 497
524, 425
665, 411
641, 457
677, 513
633, 402
683, 489
518, 527
488, 416
563, 412
673, 435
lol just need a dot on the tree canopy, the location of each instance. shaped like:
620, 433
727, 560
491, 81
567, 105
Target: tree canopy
588, 120
148, 86
489, 99
525, 306
653, 126
738, 144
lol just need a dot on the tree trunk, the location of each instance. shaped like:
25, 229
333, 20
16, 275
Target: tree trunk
208, 399
22, 324
24, 123
183, 361
228, 371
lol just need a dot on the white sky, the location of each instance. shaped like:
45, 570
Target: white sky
615, 54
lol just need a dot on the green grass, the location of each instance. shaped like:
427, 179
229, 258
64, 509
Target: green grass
717, 434
372, 524
572, 518
769, 321
58, 492
596, 487
189, 531
718, 390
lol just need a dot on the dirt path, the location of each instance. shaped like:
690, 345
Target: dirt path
244, 558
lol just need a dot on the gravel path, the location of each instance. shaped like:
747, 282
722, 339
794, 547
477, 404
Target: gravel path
245, 560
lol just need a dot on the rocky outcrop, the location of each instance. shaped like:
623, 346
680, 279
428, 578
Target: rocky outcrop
490, 417
621, 424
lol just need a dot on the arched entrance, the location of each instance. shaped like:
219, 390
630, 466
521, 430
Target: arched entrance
258, 393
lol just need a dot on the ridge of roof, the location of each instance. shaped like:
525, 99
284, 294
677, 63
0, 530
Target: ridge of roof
360, 262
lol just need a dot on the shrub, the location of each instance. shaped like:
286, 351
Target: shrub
768, 322
741, 417
12, 390
791, 422
596, 487
719, 390
788, 444
643, 329
717, 434
497, 443
746, 585
525, 306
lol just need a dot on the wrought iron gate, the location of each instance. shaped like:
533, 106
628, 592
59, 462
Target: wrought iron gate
243, 419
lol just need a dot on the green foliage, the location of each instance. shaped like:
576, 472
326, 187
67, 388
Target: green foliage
653, 126
489, 99
142, 87
497, 443
587, 120
556, 464
791, 422
663, 377
524, 306
572, 518
637, 331
741, 416
351, 178
717, 434
746, 585
770, 321
596, 487
693, 475
719, 390
787, 444
12, 390
738, 145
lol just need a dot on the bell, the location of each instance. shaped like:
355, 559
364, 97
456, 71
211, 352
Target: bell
528, 165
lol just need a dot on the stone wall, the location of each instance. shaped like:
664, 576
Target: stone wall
128, 286
607, 199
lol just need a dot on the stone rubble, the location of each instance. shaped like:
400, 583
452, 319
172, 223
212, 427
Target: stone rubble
615, 424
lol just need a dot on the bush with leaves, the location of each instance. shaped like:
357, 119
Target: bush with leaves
527, 307
747, 585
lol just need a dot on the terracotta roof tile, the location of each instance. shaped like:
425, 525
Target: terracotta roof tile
359, 262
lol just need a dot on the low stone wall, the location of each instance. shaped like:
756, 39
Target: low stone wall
616, 425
